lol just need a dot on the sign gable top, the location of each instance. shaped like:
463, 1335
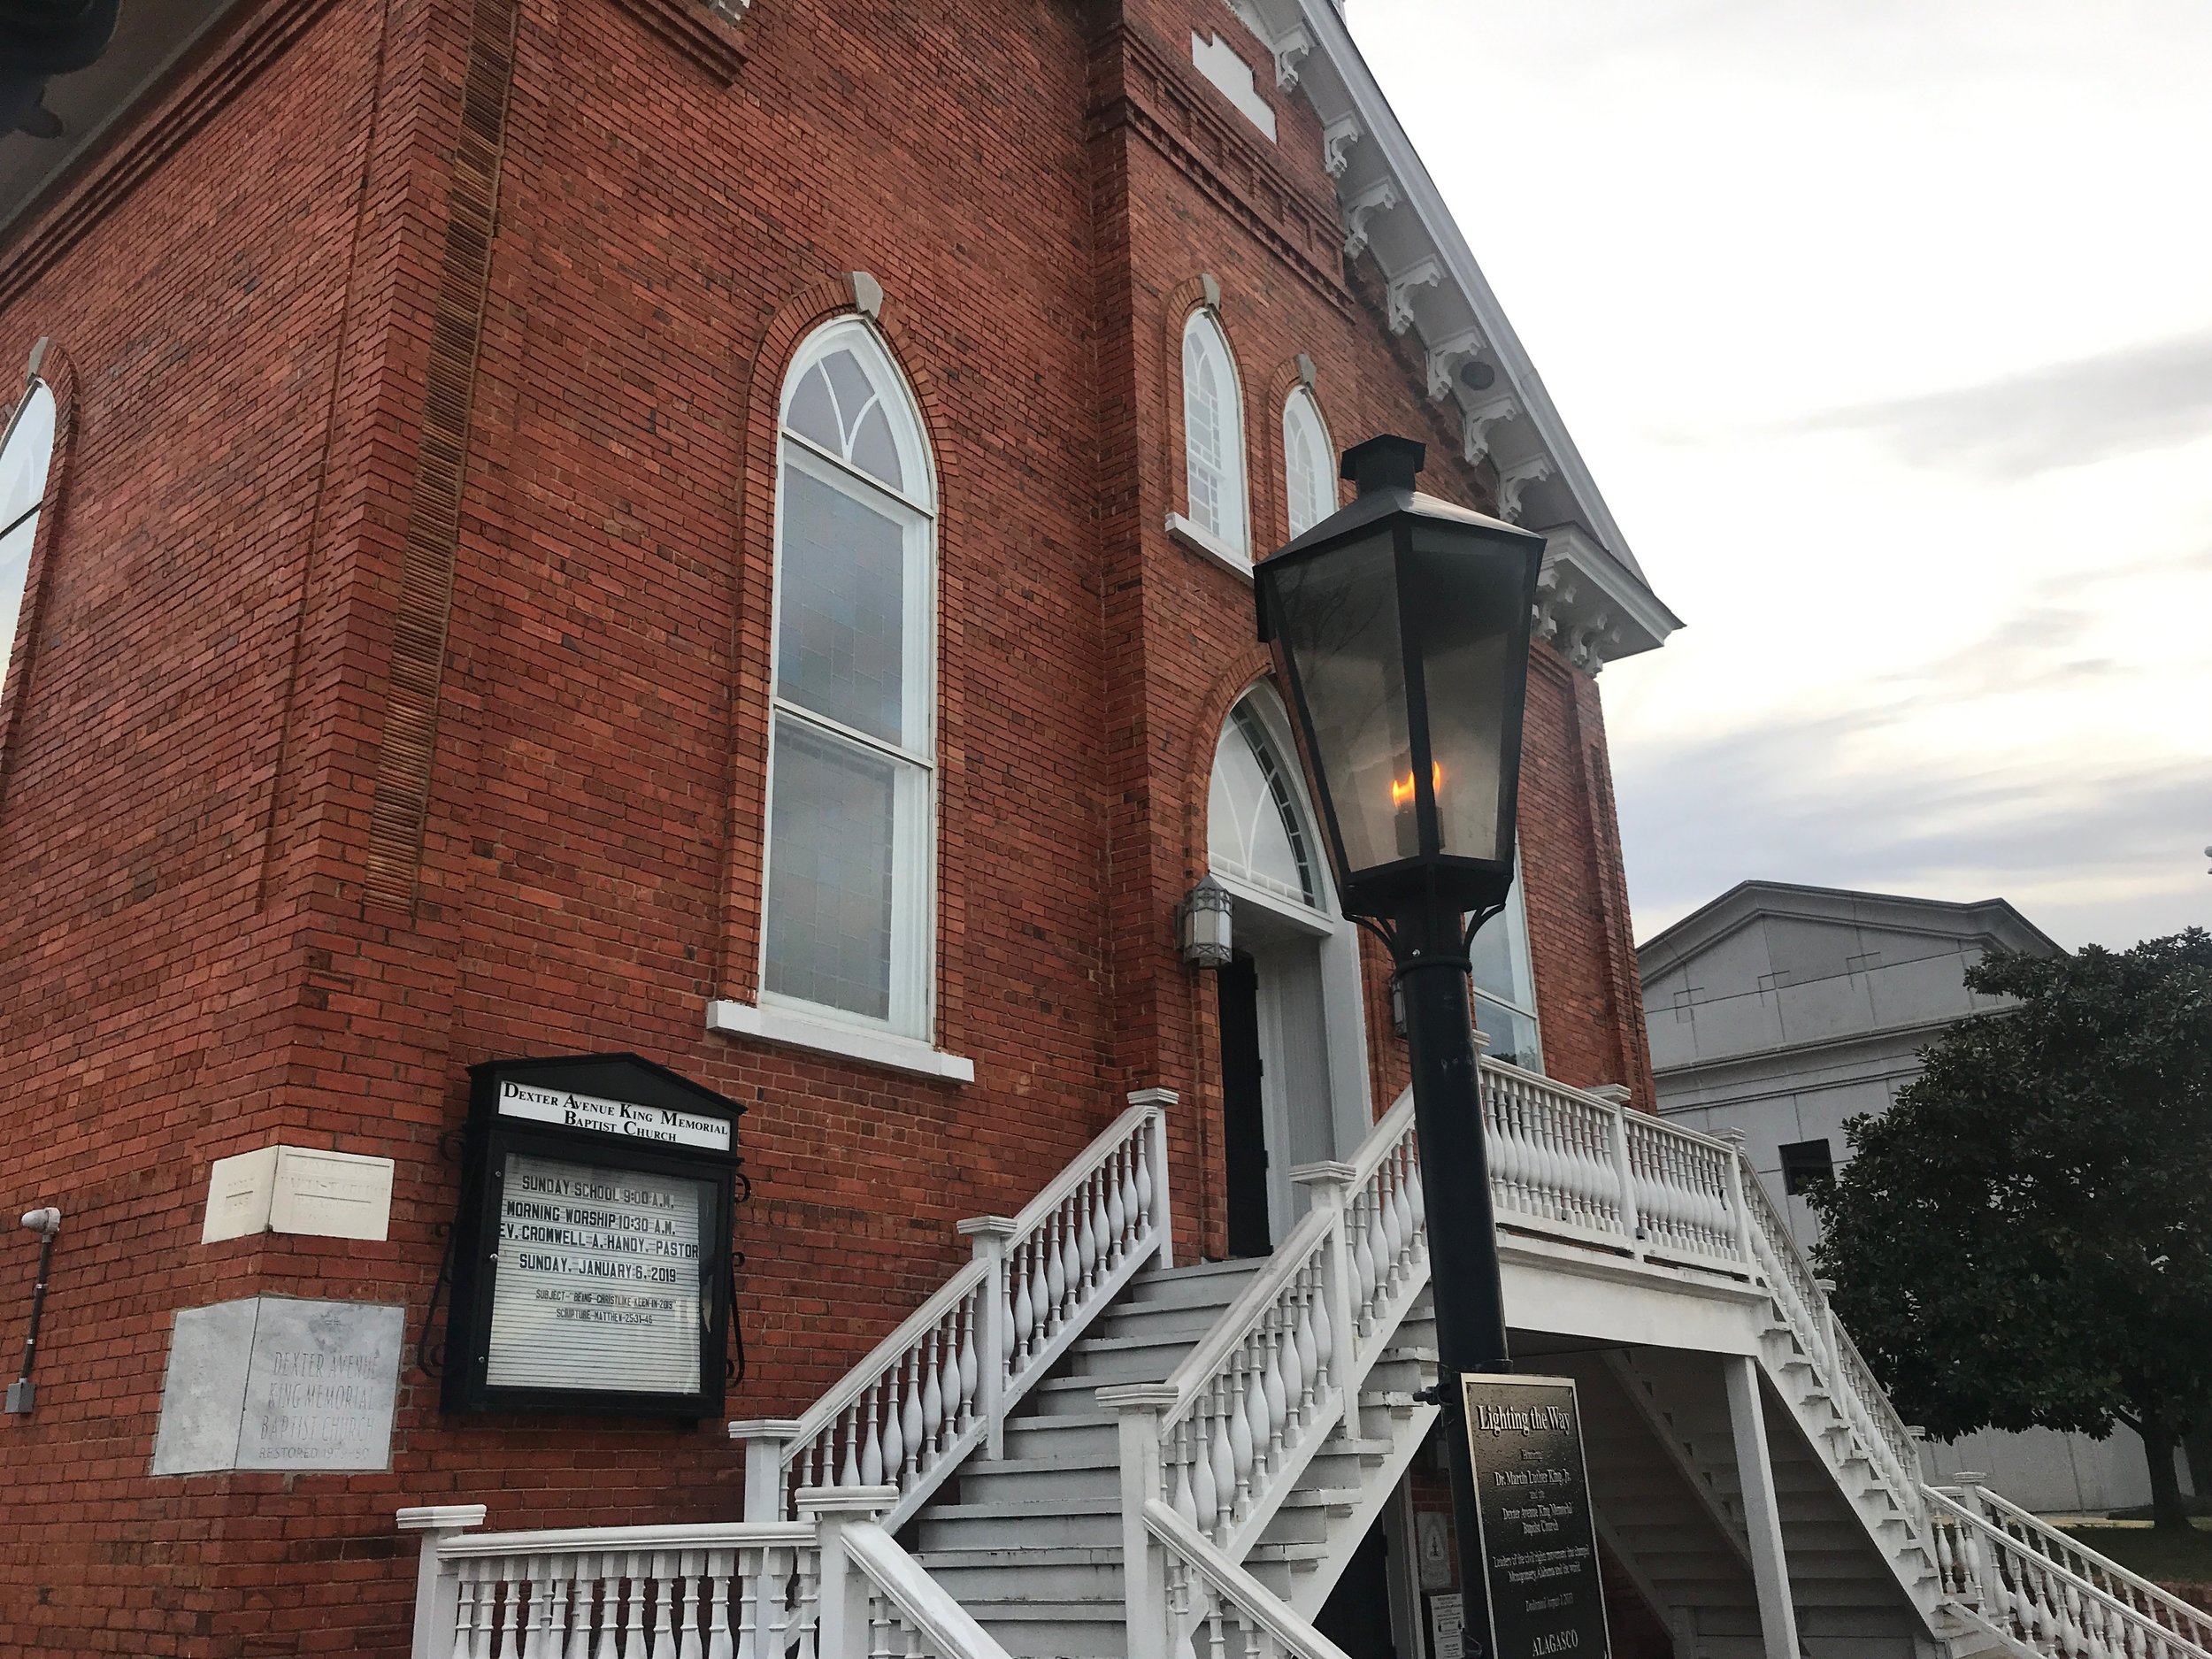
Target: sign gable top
624, 1077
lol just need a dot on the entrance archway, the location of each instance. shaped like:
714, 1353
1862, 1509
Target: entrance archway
1293, 1060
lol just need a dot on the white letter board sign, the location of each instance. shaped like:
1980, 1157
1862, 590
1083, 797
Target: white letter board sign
592, 1267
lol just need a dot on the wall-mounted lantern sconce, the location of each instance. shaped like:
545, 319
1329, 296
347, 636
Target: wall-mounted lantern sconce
46, 1223
1202, 926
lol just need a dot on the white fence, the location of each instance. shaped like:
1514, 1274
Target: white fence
833, 1585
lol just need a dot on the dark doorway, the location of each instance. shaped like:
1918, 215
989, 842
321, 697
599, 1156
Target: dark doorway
1357, 1616
1244, 1128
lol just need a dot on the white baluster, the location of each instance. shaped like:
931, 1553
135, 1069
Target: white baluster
664, 1621
1144, 1180
465, 1596
931, 1405
1240, 1443
1181, 1496
968, 1372
611, 1575
1377, 1244
1223, 1442
1205, 1494
1324, 1339
871, 1439
1121, 1205
1302, 1340
508, 1637
1055, 1268
1025, 1299
1278, 1397
692, 1631
1100, 1230
720, 1565
910, 1430
1070, 1254
1089, 1246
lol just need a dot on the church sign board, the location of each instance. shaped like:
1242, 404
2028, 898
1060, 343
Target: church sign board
1538, 1540
592, 1257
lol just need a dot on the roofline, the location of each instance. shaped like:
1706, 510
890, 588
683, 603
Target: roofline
1670, 943
1323, 18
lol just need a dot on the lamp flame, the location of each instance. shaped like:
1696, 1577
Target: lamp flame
1401, 788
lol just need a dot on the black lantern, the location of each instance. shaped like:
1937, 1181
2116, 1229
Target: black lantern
1401, 630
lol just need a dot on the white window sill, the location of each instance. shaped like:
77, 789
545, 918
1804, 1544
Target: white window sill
729, 1018
1200, 540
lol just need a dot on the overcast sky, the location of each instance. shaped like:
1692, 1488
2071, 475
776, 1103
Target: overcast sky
1886, 327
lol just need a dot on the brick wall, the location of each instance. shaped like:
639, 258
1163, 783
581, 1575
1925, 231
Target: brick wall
263, 878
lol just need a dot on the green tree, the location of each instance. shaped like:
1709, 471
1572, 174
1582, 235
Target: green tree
2025, 1239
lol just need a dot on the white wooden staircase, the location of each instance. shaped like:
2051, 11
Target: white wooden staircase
1079, 1451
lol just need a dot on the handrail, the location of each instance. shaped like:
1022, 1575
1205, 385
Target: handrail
556, 1540
942, 1383
1867, 1411
2083, 1562
1198, 1573
2043, 1602
1206, 1355
920, 1603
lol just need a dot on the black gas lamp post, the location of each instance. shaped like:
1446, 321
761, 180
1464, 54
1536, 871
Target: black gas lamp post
1400, 627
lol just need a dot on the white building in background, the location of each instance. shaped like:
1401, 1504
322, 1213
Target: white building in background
1785, 1010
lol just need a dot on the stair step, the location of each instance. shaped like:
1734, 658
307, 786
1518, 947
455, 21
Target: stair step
1023, 1556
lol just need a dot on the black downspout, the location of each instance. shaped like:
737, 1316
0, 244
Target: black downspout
21, 1392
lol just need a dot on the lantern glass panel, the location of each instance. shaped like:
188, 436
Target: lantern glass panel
1337, 618
1469, 620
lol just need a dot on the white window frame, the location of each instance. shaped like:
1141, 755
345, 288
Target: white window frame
1322, 496
33, 389
1231, 527
1514, 918
912, 1006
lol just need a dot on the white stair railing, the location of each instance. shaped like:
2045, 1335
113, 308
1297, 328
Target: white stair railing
833, 1585
943, 1382
1876, 1432
1218, 1611
1571, 1165
2029, 1581
714, 1591
1239, 1420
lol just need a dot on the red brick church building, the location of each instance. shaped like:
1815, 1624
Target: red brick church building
720, 533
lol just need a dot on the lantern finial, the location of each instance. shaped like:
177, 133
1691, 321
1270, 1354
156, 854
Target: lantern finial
1385, 462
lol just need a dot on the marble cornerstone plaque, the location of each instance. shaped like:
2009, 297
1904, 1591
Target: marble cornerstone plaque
298, 1189
274, 1382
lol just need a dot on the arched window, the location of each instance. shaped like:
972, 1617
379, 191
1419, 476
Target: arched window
850, 839
1213, 434
24, 454
1308, 468
1254, 832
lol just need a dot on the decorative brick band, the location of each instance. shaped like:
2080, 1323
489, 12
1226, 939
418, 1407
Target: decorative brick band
102, 185
434, 517
1135, 84
700, 33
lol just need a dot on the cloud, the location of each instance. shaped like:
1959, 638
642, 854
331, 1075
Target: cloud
1780, 800
2148, 397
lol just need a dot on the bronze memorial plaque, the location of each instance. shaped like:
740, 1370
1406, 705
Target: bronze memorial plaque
1538, 1540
